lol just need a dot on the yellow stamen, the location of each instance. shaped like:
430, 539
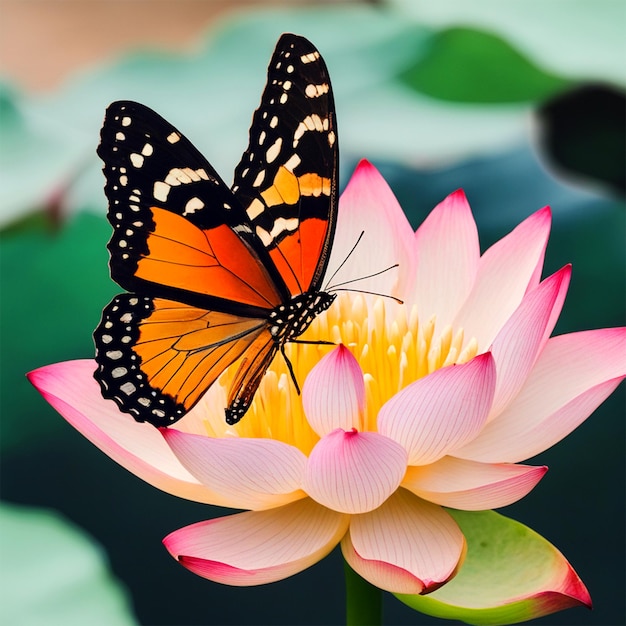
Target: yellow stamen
391, 345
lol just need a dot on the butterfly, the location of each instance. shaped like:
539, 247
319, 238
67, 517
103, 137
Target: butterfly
216, 274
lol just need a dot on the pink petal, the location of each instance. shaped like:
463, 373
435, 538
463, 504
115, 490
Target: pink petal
573, 375
334, 393
258, 547
442, 411
447, 250
71, 389
354, 472
505, 273
517, 345
405, 546
368, 206
470, 485
253, 473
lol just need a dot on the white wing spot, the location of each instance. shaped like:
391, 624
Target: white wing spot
126, 121
274, 150
315, 91
118, 372
136, 159
193, 205
255, 209
114, 354
293, 162
123, 181
287, 85
173, 137
147, 150
259, 179
120, 136
310, 58
161, 190
274, 122
128, 388
283, 98
262, 136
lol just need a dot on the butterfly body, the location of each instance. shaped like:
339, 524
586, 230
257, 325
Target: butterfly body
216, 275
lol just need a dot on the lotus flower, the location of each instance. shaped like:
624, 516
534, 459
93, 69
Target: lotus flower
424, 404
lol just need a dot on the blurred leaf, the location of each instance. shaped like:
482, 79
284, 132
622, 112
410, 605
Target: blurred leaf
39, 158
466, 65
54, 287
580, 39
52, 574
583, 132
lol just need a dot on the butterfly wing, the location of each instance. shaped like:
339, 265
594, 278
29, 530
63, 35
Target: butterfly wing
157, 357
206, 265
181, 245
287, 177
178, 231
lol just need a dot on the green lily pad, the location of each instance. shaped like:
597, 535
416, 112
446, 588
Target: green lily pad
510, 574
468, 65
52, 574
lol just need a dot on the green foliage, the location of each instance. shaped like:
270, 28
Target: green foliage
469, 65
54, 575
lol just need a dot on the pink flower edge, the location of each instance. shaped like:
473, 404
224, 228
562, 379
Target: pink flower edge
258, 547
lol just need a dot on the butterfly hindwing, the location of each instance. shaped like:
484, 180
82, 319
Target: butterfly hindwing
216, 275
157, 357
287, 177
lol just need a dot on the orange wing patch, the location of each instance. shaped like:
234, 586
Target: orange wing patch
214, 262
149, 345
184, 349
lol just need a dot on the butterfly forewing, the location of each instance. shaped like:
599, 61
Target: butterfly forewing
216, 274
178, 229
287, 178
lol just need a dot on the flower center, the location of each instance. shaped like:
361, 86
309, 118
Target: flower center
391, 345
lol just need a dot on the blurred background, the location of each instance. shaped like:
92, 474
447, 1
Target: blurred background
521, 103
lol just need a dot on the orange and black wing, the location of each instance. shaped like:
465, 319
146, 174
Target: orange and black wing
157, 357
212, 261
178, 230
287, 178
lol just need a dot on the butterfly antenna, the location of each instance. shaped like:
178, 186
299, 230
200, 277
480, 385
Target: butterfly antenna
347, 257
355, 280
372, 293
342, 286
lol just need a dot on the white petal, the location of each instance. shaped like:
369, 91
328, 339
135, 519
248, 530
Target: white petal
258, 547
368, 207
571, 377
505, 272
447, 257
470, 485
442, 411
407, 545
354, 472
253, 473
333, 395
518, 344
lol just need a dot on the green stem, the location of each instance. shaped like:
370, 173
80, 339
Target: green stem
364, 601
